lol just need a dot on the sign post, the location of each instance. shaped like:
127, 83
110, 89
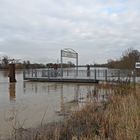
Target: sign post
70, 53
137, 65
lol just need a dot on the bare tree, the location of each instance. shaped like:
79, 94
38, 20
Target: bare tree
5, 61
127, 60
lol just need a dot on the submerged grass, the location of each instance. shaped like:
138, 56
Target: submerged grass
116, 119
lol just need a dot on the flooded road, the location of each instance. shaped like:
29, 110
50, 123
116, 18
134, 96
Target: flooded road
29, 104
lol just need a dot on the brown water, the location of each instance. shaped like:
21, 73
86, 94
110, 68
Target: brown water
28, 104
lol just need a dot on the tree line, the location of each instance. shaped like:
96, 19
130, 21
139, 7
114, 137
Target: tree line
26, 64
127, 60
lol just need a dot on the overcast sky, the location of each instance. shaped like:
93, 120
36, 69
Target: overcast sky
97, 29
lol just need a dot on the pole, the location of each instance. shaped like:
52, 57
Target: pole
106, 75
76, 64
61, 64
12, 73
119, 76
88, 70
95, 75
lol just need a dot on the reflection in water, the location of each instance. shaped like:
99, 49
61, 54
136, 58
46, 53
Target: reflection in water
29, 100
12, 91
24, 87
81, 92
70, 97
98, 94
76, 93
63, 109
62, 106
5, 73
37, 87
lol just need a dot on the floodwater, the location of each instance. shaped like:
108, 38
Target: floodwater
29, 104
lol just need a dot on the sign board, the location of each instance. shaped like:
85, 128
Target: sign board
69, 54
137, 65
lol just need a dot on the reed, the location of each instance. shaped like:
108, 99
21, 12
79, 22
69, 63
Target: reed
116, 119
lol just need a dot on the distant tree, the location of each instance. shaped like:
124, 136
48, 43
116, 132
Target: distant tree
110, 63
5, 61
127, 60
70, 64
26, 64
49, 65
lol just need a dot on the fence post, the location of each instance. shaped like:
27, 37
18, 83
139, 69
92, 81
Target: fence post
67, 72
118, 75
106, 75
36, 73
48, 73
88, 70
32, 73
95, 76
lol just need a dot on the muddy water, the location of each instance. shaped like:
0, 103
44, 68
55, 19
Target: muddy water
28, 104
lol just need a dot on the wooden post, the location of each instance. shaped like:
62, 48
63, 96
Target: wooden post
12, 73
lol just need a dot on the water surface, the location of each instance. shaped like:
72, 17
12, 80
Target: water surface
28, 104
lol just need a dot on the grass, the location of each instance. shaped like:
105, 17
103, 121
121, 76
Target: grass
116, 119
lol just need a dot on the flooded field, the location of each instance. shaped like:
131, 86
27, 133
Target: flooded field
29, 104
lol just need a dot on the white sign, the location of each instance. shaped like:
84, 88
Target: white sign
137, 65
69, 54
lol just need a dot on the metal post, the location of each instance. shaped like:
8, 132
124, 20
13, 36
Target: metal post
67, 72
48, 73
88, 70
95, 75
35, 73
118, 75
61, 64
76, 64
106, 75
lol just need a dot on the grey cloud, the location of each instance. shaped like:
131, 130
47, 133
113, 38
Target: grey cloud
32, 28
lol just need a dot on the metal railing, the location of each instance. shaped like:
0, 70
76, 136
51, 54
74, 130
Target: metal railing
97, 74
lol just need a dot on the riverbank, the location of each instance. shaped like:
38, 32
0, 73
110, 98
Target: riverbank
118, 119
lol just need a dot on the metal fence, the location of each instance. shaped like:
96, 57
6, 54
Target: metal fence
97, 74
